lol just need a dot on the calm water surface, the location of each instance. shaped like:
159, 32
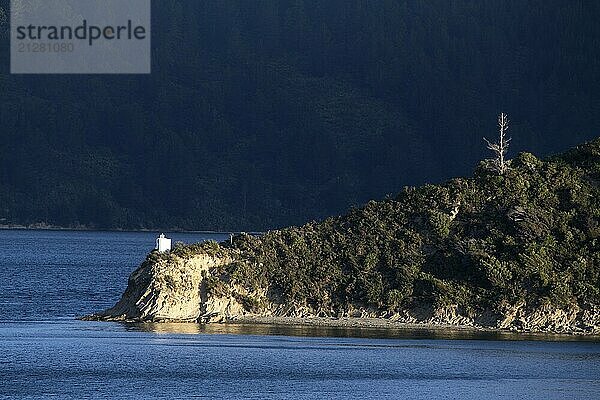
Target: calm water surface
48, 278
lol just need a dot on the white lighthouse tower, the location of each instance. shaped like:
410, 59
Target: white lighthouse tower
163, 244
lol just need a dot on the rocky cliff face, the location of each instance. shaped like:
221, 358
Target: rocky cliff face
193, 289
172, 289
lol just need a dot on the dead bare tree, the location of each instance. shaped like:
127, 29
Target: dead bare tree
500, 148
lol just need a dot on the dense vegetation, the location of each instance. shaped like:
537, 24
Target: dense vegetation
267, 113
532, 234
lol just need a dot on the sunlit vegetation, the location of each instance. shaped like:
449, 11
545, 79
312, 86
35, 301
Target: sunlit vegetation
532, 234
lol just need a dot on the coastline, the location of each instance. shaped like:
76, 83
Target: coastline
346, 326
383, 328
90, 229
353, 323
373, 328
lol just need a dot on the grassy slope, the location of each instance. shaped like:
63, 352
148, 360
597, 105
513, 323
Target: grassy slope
533, 235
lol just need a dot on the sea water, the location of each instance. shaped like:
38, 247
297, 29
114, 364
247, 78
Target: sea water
48, 278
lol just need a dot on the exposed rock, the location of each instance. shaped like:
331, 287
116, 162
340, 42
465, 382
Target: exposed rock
171, 289
551, 319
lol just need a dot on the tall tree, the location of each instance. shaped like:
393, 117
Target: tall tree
500, 148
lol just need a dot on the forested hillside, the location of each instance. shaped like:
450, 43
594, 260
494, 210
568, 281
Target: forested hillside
531, 235
262, 113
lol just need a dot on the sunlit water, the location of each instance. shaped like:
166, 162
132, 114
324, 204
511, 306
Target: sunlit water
49, 278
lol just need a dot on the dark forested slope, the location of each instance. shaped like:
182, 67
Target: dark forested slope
266, 113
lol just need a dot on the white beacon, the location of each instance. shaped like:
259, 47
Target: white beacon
163, 244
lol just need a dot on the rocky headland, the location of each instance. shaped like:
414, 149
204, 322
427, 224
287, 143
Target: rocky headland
169, 288
516, 252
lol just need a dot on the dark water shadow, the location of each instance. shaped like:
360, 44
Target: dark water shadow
345, 332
